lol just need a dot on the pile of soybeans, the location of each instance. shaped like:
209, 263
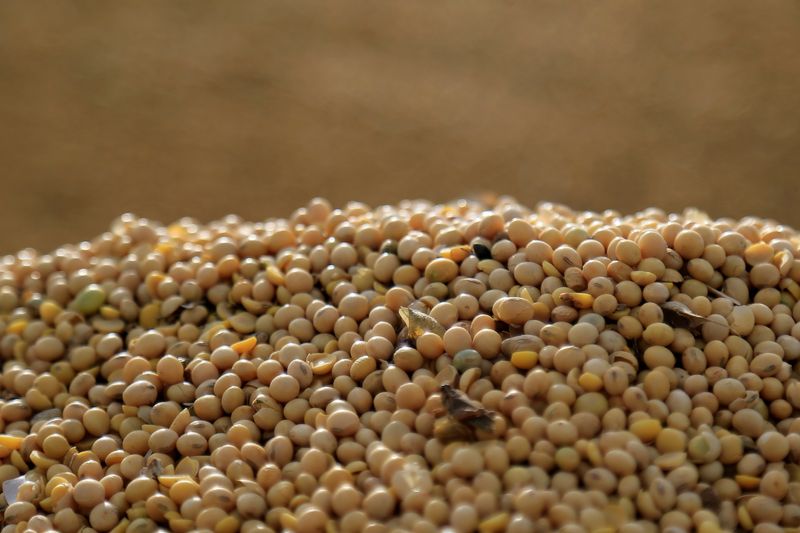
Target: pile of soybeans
606, 373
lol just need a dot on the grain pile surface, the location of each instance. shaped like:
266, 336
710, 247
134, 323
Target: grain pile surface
464, 367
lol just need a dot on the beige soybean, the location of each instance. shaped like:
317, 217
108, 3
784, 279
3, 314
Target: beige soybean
259, 376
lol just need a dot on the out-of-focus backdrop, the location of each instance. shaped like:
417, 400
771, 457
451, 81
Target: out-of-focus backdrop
205, 108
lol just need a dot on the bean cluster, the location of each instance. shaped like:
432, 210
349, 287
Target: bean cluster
285, 375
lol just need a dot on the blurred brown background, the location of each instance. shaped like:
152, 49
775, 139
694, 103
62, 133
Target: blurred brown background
205, 108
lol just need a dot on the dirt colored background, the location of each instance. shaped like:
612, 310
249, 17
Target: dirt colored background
204, 108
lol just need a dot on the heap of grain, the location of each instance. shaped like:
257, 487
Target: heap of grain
601, 373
